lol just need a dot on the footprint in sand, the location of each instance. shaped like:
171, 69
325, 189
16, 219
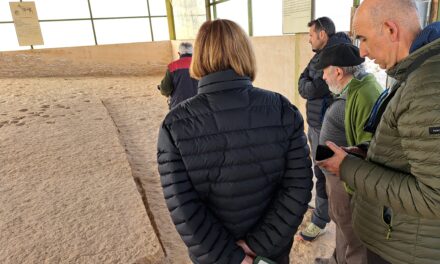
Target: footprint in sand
14, 121
87, 101
45, 116
60, 106
45, 106
20, 124
50, 122
143, 119
23, 110
98, 118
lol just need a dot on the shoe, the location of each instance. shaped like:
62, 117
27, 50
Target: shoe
311, 232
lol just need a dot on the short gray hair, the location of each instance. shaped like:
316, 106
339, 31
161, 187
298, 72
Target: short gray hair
356, 71
185, 48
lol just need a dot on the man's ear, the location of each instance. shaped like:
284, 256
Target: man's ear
322, 34
391, 29
339, 73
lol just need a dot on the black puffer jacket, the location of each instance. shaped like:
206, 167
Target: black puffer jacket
314, 89
234, 165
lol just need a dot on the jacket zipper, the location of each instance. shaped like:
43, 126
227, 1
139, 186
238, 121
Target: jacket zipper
390, 225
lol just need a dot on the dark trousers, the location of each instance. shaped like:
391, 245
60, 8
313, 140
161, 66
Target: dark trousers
313, 136
283, 259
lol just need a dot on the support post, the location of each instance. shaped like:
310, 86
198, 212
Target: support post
170, 17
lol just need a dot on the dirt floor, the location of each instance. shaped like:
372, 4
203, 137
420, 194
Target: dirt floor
73, 151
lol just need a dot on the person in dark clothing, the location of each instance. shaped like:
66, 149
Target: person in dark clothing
177, 84
233, 160
315, 90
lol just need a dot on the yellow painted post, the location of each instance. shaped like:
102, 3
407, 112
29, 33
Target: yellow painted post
208, 10
170, 17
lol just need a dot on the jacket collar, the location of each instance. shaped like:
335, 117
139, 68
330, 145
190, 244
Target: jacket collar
428, 35
398, 71
185, 55
222, 80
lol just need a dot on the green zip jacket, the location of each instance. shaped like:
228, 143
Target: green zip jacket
402, 170
361, 96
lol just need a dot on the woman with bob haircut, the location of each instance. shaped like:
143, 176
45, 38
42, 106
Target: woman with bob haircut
233, 160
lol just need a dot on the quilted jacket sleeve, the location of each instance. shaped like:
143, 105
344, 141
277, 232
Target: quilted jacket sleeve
206, 238
311, 85
166, 85
276, 229
415, 193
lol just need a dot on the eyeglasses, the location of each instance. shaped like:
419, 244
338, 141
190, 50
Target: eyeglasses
320, 24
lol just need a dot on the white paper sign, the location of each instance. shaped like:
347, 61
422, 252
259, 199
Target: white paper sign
26, 23
296, 15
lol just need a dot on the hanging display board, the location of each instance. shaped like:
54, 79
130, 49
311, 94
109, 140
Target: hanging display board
26, 23
296, 15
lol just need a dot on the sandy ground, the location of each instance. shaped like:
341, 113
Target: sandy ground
73, 151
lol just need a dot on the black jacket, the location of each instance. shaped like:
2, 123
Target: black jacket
314, 89
234, 164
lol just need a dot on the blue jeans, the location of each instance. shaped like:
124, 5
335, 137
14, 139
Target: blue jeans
320, 215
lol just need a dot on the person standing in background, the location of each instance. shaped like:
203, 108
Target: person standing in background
177, 84
315, 90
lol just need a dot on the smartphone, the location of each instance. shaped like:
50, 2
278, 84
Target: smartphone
323, 152
263, 260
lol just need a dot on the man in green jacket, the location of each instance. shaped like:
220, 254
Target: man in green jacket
356, 92
396, 210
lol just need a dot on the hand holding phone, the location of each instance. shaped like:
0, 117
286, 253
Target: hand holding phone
323, 152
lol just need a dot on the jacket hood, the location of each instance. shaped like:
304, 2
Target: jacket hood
428, 35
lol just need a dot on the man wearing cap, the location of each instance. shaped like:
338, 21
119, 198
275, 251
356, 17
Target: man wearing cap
313, 88
355, 94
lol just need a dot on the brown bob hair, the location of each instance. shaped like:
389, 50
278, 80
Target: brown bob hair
221, 45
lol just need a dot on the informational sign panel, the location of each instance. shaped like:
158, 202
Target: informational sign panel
26, 23
296, 15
